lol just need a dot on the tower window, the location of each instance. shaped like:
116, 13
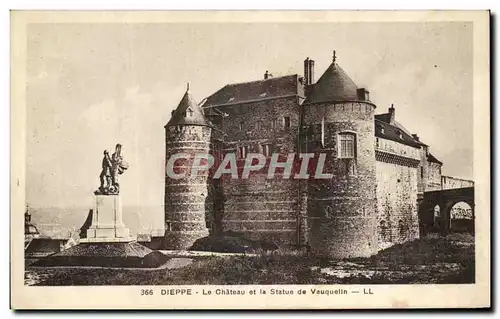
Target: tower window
258, 125
242, 151
189, 113
266, 150
421, 172
347, 145
274, 124
286, 122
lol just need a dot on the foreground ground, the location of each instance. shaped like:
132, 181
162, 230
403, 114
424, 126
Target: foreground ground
432, 259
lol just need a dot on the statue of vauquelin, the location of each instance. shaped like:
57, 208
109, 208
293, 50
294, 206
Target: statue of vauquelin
112, 167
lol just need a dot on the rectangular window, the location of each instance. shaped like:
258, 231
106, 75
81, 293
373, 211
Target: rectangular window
421, 172
242, 151
286, 122
274, 124
241, 126
258, 126
347, 145
266, 150
323, 131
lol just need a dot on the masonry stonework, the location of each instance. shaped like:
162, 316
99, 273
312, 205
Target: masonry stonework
379, 171
185, 197
342, 216
259, 207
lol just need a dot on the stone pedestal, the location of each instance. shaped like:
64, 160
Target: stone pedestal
107, 224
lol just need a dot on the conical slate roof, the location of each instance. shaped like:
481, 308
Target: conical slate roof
333, 86
188, 112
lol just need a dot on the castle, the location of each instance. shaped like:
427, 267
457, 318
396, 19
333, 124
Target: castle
380, 170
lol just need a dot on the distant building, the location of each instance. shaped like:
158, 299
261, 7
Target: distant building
380, 170
36, 245
30, 230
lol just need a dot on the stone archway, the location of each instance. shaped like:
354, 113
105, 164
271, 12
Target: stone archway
445, 199
448, 214
461, 216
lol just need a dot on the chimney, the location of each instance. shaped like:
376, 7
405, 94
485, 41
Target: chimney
306, 71
266, 75
392, 112
363, 94
415, 137
311, 71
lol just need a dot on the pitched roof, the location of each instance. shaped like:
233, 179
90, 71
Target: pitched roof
393, 133
433, 159
334, 85
188, 112
255, 90
384, 117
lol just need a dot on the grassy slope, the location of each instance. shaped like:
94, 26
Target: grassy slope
428, 260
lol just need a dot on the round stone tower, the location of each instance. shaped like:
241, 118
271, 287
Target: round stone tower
187, 133
342, 207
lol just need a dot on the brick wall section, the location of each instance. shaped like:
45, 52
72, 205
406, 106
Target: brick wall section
449, 182
257, 207
433, 177
396, 203
342, 211
422, 171
185, 199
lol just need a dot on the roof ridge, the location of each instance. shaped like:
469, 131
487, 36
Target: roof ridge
262, 80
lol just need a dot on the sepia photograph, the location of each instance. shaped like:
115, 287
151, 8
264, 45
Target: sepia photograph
339, 155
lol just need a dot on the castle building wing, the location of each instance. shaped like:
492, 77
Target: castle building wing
284, 86
393, 133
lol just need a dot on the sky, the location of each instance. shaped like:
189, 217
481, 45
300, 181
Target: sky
90, 86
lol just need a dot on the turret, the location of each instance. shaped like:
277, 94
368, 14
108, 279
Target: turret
187, 133
341, 209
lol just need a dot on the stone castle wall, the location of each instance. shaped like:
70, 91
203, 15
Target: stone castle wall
258, 207
342, 210
398, 166
449, 182
433, 177
369, 202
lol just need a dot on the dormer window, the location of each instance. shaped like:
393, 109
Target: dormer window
231, 99
189, 112
400, 135
263, 95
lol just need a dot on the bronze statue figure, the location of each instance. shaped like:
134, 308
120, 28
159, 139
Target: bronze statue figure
111, 168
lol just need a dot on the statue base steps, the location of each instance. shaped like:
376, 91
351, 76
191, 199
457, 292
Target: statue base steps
114, 255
